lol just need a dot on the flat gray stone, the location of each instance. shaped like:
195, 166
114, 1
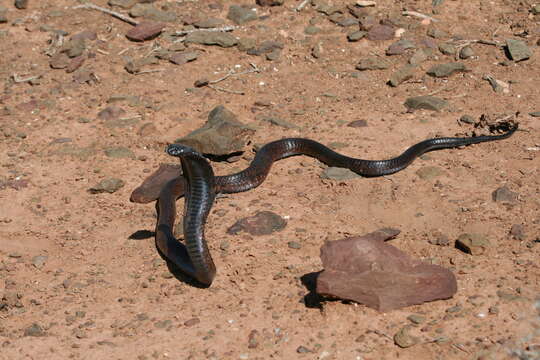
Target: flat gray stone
399, 47
426, 102
262, 223
222, 39
402, 74
445, 70
504, 194
149, 12
356, 35
209, 23
429, 172
373, 63
518, 50
119, 152
222, 134
241, 15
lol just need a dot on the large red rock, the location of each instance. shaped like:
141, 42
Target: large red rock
371, 272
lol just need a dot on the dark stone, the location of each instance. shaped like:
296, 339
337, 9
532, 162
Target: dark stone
517, 231
381, 32
209, 23
399, 47
34, 330
21, 4
222, 134
183, 57
111, 113
402, 74
75, 63
270, 2
358, 123
504, 194
149, 190
262, 223
474, 244
145, 30
369, 271
373, 63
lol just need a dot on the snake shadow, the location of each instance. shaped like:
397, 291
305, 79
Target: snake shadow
173, 269
312, 300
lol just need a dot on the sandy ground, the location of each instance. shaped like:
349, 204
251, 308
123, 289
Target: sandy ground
75, 285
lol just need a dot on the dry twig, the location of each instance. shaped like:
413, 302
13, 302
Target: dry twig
148, 71
420, 15
302, 5
217, 88
253, 69
17, 79
220, 29
122, 17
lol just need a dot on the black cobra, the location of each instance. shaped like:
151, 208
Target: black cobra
199, 185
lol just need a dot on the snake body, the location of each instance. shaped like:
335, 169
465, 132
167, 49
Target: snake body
199, 185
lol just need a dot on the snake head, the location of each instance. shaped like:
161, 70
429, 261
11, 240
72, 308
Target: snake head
180, 150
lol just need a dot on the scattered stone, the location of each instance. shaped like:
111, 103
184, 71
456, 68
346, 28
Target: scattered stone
74, 48
517, 231
209, 23
302, 350
518, 50
218, 38
402, 74
404, 339
466, 119
418, 57
273, 55
184, 57
439, 239
3, 16
504, 194
124, 4
399, 47
75, 63
39, 261
340, 174
373, 63
145, 30
222, 134
312, 30
119, 152
448, 49
147, 129
275, 120
163, 324
380, 32
21, 4
426, 102
416, 319
253, 339
294, 245
192, 322
369, 271
262, 223
245, 44
241, 15
429, 172
356, 35
436, 33
266, 47
466, 52
149, 12
109, 185
85, 35
150, 189
503, 295
535, 114
270, 2
111, 113
474, 244
445, 70
34, 330
497, 85
358, 123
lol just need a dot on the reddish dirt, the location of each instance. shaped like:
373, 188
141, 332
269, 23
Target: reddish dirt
100, 294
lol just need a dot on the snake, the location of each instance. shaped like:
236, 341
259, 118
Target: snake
199, 185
